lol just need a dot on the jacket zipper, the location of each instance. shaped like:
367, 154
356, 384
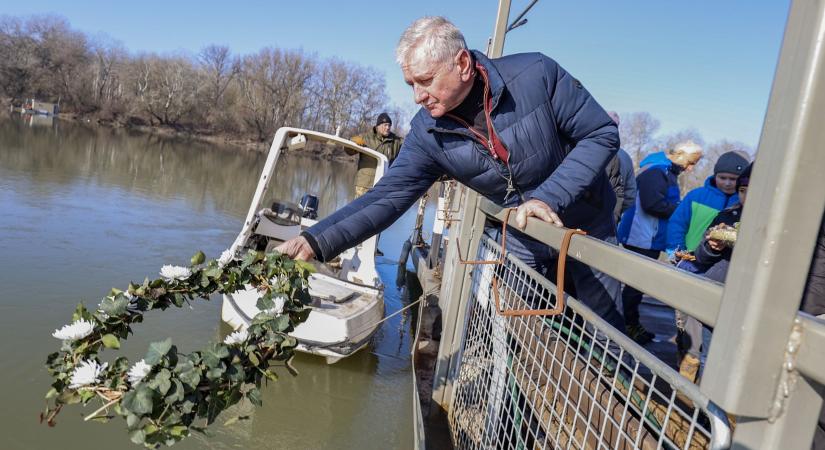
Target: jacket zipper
488, 144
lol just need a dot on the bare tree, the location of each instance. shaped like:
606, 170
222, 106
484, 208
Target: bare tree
273, 84
636, 133
345, 96
220, 68
167, 88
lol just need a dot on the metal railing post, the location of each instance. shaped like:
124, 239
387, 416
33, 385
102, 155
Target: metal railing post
784, 207
466, 234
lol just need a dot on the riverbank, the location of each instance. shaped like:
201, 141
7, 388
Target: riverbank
223, 140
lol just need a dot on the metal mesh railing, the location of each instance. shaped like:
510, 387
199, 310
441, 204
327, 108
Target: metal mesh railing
566, 381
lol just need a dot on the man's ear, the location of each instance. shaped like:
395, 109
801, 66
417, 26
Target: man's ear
465, 65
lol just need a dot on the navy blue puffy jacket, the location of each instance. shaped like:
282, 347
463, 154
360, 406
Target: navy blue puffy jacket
559, 139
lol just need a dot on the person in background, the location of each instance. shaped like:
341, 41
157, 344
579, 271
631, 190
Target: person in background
381, 139
700, 206
643, 226
621, 176
712, 260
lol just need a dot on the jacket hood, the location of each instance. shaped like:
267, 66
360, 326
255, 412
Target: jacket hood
655, 159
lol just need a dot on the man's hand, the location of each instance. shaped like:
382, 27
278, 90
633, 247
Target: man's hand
296, 248
539, 209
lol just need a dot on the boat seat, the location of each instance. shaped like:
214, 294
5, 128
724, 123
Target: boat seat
269, 228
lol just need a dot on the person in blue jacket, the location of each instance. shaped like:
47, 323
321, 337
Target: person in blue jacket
519, 130
643, 226
687, 225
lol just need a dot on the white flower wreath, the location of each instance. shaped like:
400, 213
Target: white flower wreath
165, 395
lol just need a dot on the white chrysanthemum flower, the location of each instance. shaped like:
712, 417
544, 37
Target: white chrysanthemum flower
236, 337
175, 272
138, 371
79, 329
226, 258
280, 302
86, 373
130, 296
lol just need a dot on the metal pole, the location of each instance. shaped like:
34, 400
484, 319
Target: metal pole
750, 348
497, 42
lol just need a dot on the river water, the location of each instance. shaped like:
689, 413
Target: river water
84, 209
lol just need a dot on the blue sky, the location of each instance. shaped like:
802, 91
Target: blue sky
702, 64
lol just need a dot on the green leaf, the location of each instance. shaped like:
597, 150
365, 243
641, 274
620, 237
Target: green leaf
265, 302
197, 258
216, 405
110, 341
254, 396
162, 381
281, 323
157, 350
138, 436
114, 306
179, 431
253, 358
191, 377
213, 272
249, 259
175, 394
270, 375
51, 394
306, 266
132, 421
138, 401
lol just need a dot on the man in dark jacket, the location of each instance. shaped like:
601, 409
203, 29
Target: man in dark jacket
621, 177
519, 130
381, 139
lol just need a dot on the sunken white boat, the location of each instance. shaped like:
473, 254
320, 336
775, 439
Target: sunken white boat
347, 293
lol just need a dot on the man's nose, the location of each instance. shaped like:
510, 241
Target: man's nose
419, 94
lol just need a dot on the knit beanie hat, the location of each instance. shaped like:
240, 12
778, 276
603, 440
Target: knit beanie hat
730, 162
383, 118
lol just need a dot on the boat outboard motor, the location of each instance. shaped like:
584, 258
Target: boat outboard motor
309, 204
284, 213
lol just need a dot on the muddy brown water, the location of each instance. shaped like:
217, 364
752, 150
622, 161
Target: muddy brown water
84, 209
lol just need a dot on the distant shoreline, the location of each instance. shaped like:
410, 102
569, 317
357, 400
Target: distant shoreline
225, 140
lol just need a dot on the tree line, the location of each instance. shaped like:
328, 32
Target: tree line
212, 92
638, 134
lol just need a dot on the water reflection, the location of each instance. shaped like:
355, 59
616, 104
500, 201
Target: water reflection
85, 209
163, 167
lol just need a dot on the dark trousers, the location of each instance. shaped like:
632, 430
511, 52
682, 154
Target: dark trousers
631, 297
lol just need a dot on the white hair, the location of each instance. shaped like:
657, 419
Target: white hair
433, 37
688, 147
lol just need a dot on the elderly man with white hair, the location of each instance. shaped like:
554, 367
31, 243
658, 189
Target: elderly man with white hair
519, 130
644, 226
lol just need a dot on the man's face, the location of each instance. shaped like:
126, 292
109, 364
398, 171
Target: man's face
687, 161
726, 182
743, 194
439, 87
383, 129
